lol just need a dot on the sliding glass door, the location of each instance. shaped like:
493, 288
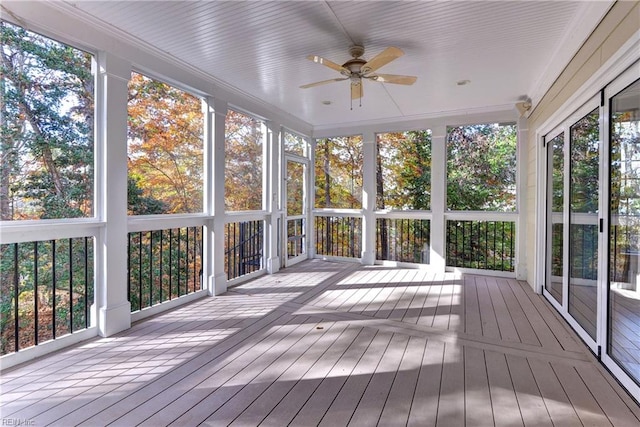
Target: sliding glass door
584, 192
592, 232
573, 189
623, 316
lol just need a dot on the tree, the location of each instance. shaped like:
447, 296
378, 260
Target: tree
339, 172
243, 162
481, 167
165, 135
403, 181
46, 127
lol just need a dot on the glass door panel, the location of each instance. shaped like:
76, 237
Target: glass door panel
623, 337
555, 220
583, 231
295, 216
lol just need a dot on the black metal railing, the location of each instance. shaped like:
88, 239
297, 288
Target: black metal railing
163, 265
296, 238
47, 290
484, 245
338, 236
244, 243
403, 240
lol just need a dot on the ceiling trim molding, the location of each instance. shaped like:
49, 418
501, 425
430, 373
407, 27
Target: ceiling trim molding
504, 112
581, 27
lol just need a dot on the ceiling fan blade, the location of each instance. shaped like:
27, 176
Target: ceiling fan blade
383, 58
324, 82
327, 63
356, 89
394, 78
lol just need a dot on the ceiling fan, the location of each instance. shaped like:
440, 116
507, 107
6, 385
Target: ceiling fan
358, 68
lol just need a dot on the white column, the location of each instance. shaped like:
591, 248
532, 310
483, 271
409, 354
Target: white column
272, 188
522, 160
209, 184
368, 198
437, 258
311, 198
113, 307
218, 283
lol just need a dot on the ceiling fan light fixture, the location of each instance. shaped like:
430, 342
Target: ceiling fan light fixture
358, 68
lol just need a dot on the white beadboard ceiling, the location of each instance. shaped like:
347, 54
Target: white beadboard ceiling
508, 50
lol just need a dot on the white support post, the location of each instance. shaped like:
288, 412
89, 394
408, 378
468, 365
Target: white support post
218, 282
437, 258
369, 198
209, 190
113, 307
272, 189
522, 160
311, 198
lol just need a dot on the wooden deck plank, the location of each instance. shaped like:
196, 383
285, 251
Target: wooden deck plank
532, 407
398, 405
339, 360
415, 307
443, 312
476, 389
556, 401
472, 321
358, 290
397, 346
274, 393
451, 402
508, 331
428, 312
424, 407
608, 399
559, 328
487, 310
223, 386
375, 287
457, 318
397, 288
504, 403
274, 376
346, 401
373, 400
586, 406
538, 323
173, 401
523, 327
348, 368
404, 302
104, 397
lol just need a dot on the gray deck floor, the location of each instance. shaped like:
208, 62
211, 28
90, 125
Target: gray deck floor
332, 344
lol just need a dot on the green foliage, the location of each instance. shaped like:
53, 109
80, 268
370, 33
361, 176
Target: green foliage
339, 172
47, 128
481, 167
165, 145
404, 170
243, 162
138, 203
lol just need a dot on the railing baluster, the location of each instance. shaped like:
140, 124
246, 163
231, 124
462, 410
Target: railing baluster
70, 285
186, 263
54, 281
35, 291
16, 295
86, 282
140, 270
179, 262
